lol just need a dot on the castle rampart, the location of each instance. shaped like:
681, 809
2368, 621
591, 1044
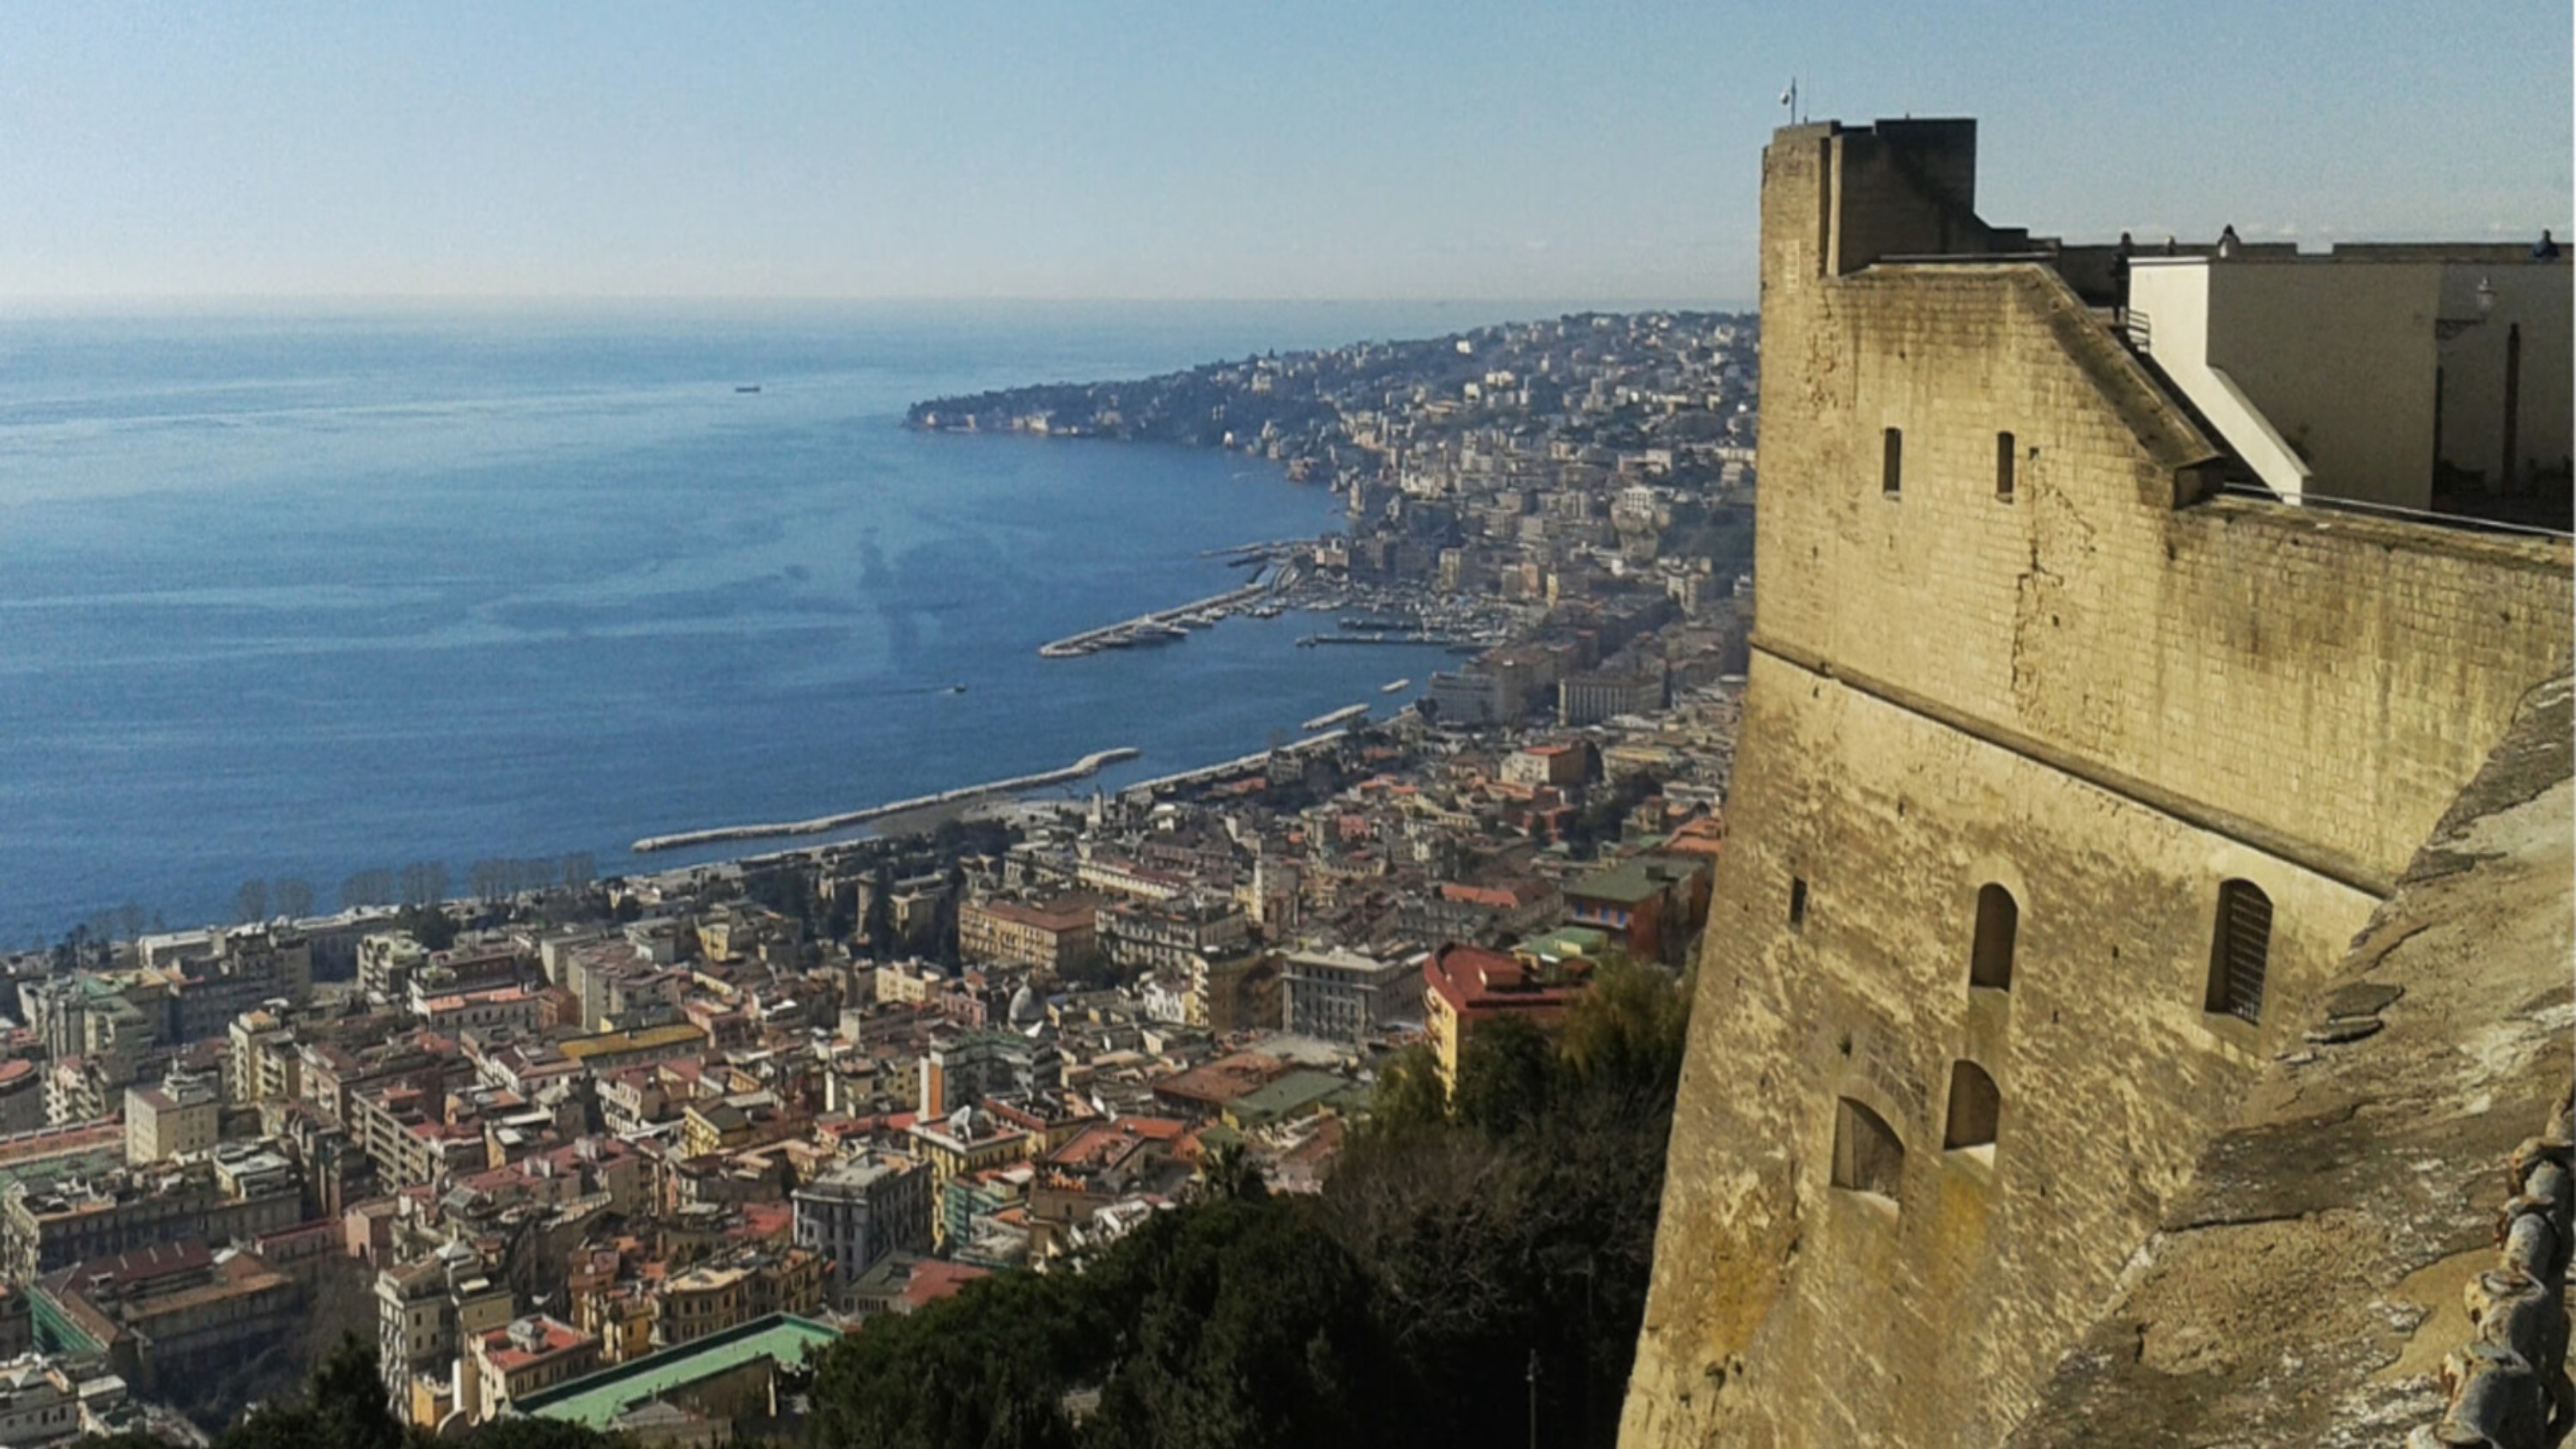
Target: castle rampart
2020, 671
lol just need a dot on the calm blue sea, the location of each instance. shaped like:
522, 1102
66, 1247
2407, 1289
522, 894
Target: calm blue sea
303, 595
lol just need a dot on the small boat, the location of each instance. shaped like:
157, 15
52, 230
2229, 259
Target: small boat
1396, 688
748, 387
954, 689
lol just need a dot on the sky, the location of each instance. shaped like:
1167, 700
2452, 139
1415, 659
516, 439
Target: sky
1101, 149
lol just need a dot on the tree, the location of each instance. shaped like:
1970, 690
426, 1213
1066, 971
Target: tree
347, 1409
1247, 1328
423, 883
987, 1369
1230, 1174
373, 887
1626, 1035
543, 1434
292, 897
1409, 1096
250, 903
433, 927
1503, 1076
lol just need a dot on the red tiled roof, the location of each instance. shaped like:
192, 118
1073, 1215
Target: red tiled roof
933, 1280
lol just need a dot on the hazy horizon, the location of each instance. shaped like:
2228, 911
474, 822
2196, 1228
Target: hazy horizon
1157, 151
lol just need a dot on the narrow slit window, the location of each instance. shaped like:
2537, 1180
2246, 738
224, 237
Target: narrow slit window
1797, 901
2004, 466
1891, 465
1868, 1156
1990, 959
1976, 1109
2241, 950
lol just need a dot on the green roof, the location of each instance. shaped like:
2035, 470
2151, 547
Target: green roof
597, 1399
1285, 1097
42, 1172
1567, 941
1634, 879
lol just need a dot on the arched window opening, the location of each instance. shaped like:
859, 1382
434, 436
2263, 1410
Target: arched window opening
1990, 960
1976, 1107
2240, 950
1868, 1157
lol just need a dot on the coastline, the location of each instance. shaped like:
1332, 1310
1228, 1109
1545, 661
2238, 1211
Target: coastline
1089, 765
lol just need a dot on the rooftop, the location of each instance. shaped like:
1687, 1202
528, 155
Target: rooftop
597, 1399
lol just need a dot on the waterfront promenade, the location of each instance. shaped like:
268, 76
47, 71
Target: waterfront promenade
1088, 765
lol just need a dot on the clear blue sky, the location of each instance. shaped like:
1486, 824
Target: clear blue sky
1099, 148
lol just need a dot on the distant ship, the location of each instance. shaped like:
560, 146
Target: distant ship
1396, 688
748, 387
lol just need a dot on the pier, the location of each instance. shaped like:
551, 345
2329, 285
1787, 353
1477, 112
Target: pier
1088, 765
1446, 641
1155, 628
1244, 551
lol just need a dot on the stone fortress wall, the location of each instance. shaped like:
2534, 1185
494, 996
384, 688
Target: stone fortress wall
2108, 691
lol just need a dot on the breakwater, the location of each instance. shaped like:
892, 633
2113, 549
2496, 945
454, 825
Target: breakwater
1157, 627
1241, 764
1088, 765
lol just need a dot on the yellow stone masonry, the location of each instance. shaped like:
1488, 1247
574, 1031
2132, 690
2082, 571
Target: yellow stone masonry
2108, 693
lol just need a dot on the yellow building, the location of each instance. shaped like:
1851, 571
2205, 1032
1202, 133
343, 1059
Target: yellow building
180, 1116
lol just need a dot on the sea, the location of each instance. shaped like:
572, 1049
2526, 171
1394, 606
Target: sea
303, 593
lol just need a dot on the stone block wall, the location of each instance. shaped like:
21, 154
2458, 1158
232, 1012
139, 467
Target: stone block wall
2109, 693
1787, 1311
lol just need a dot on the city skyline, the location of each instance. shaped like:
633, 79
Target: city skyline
1158, 152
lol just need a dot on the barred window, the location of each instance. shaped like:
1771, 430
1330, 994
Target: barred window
2240, 950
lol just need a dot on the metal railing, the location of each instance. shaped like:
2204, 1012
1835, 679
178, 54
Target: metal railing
2390, 510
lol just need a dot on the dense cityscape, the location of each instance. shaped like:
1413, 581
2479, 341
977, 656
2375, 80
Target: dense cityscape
1193, 727
540, 1145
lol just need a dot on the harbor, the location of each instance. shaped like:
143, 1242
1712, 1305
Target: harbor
1089, 765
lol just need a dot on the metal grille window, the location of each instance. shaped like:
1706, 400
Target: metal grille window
2242, 948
